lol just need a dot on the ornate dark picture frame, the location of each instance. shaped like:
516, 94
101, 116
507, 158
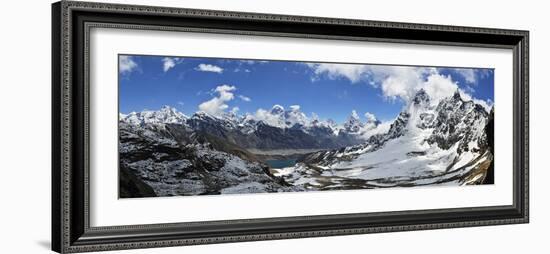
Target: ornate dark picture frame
71, 230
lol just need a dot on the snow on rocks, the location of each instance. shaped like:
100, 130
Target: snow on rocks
426, 144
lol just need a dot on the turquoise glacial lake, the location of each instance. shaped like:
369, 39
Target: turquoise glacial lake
281, 163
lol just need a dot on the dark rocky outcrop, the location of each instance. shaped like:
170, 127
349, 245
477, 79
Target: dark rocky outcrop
131, 186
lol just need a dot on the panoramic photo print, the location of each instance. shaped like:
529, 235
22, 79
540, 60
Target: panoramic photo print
209, 126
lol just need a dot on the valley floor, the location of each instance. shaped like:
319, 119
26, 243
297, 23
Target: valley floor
313, 177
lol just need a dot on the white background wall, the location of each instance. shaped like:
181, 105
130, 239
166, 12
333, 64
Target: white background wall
25, 125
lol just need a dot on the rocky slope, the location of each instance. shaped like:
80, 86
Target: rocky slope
442, 142
165, 153
170, 159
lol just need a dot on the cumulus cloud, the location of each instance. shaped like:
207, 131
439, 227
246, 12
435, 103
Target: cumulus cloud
370, 117
381, 128
209, 68
126, 64
170, 62
439, 86
353, 72
217, 105
265, 116
244, 98
395, 82
400, 81
404, 83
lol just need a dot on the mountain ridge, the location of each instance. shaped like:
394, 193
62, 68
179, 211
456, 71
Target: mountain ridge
281, 129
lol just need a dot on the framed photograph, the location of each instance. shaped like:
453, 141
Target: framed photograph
181, 126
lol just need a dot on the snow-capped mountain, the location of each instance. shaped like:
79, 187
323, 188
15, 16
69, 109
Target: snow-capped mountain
278, 117
274, 129
443, 142
163, 153
174, 160
165, 115
353, 124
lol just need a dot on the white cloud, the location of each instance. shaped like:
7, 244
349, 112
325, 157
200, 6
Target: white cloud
469, 89
354, 114
381, 128
468, 74
314, 116
399, 81
294, 107
471, 75
265, 116
181, 103
217, 105
235, 110
170, 62
245, 98
395, 82
370, 117
353, 72
247, 61
209, 68
439, 86
126, 64
404, 82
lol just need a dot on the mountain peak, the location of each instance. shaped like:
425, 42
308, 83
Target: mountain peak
169, 110
165, 115
201, 115
353, 124
421, 97
456, 95
277, 109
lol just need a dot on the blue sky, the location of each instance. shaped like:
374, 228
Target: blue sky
329, 90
